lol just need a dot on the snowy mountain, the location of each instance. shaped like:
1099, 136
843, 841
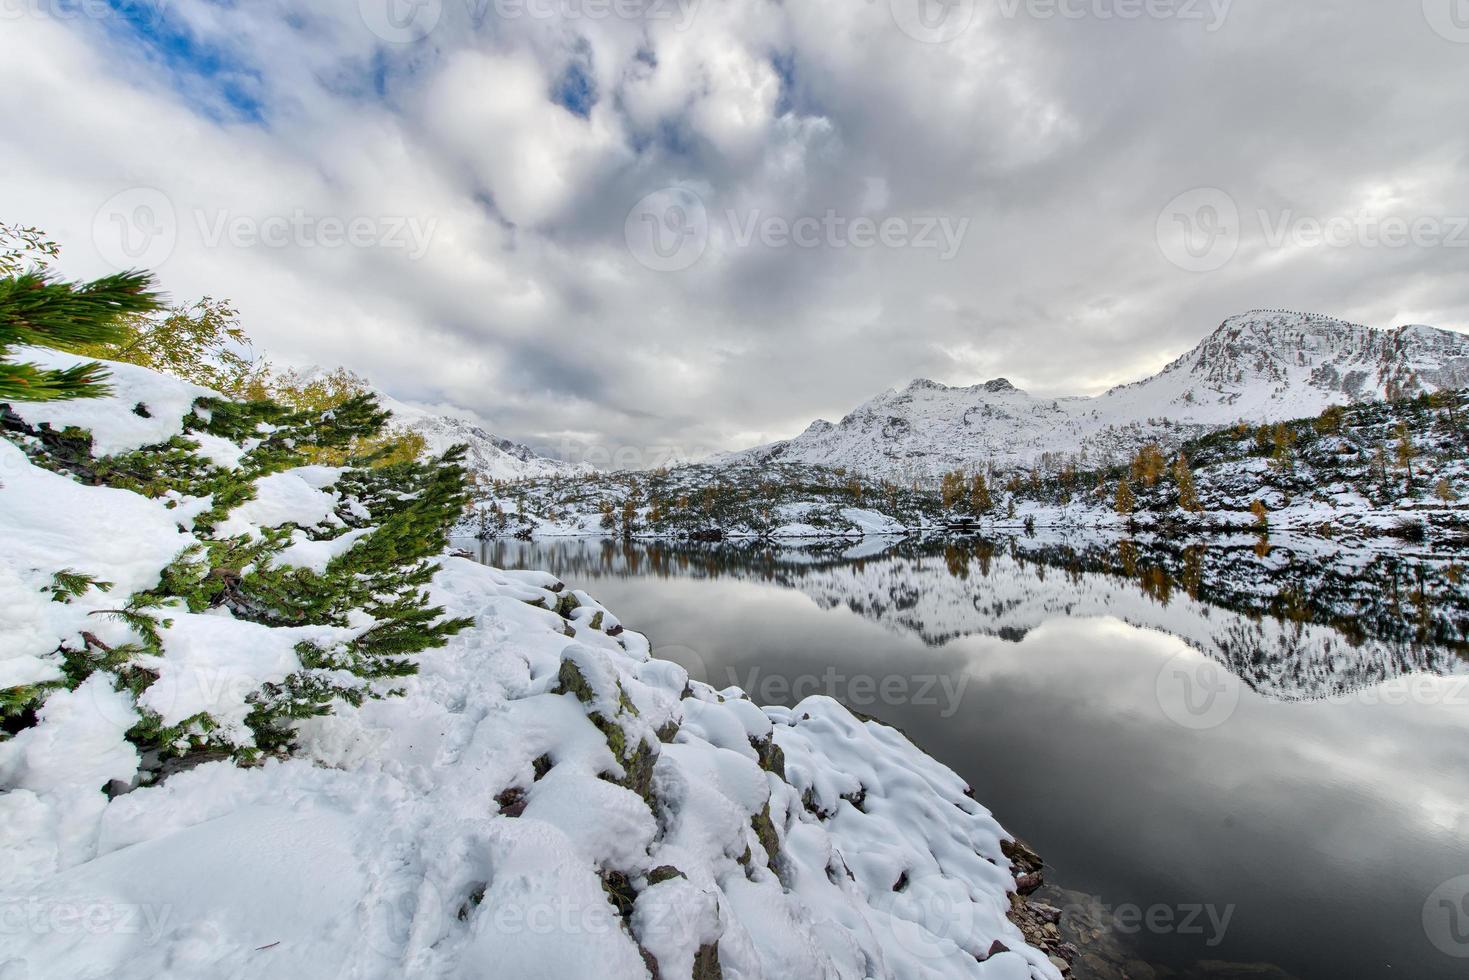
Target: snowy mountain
490, 456
1263, 366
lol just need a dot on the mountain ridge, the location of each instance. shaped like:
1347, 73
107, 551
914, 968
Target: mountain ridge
490, 456
1261, 366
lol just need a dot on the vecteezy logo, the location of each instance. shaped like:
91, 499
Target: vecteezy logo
1199, 230
1446, 917
932, 21
691, 661
1196, 692
401, 21
668, 230
1448, 18
136, 229
403, 905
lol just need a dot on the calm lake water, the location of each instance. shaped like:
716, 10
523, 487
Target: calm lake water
1227, 753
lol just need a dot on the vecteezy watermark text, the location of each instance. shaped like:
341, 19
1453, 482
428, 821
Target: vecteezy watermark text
1211, 13
141, 226
1129, 919
944, 692
1202, 230
671, 229
75, 917
81, 9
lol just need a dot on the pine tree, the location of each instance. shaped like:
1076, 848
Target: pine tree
629, 514
1125, 503
1284, 439
1149, 464
979, 495
1406, 452
1188, 497
951, 489
1379, 463
1445, 491
378, 585
1329, 423
37, 310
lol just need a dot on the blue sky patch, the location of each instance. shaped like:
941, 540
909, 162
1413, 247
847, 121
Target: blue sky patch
576, 90
210, 78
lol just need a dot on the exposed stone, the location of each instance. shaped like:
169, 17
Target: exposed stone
765, 830
664, 872
620, 892
476, 896
706, 963
512, 802
772, 759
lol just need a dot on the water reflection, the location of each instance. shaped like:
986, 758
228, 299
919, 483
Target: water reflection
1290, 621
1324, 799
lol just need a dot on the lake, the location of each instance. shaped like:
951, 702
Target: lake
1236, 752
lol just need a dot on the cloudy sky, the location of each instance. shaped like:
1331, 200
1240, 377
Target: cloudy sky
703, 223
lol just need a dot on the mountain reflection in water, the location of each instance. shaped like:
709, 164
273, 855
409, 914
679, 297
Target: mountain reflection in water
1274, 731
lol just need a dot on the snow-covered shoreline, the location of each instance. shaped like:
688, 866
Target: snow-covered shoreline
419, 836
539, 797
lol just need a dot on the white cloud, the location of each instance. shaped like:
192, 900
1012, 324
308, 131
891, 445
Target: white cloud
1059, 141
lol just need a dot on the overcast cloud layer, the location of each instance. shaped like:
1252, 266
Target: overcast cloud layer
581, 220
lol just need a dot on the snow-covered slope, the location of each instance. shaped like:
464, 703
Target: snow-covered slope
542, 798
490, 456
1262, 366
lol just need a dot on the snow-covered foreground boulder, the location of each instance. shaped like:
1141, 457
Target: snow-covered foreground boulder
541, 798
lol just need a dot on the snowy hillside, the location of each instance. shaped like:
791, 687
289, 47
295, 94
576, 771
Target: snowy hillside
703, 501
1261, 366
489, 456
225, 754
1365, 475
1358, 475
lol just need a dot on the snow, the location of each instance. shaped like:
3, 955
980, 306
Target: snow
214, 662
115, 425
282, 498
364, 859
422, 835
302, 552
49, 523
872, 522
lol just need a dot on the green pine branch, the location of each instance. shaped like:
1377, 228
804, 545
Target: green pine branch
37, 310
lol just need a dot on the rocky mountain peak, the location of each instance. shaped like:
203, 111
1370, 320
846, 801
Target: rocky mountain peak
1258, 367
